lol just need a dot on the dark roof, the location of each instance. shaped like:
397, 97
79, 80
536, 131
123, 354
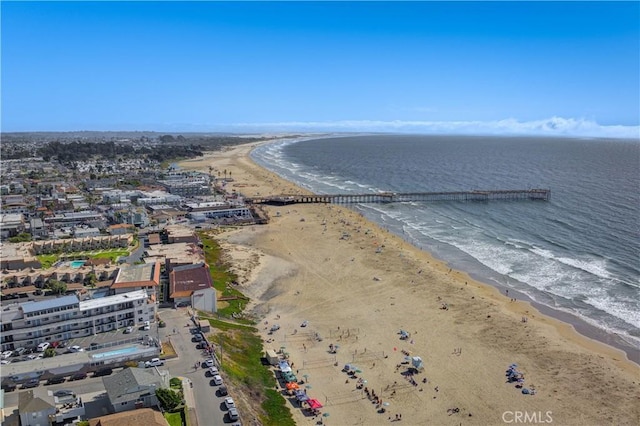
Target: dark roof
189, 278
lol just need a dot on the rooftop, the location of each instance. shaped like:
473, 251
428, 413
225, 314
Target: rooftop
29, 307
112, 300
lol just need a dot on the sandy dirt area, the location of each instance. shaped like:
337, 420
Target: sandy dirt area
358, 285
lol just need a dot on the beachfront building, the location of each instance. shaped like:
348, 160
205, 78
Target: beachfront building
186, 280
218, 210
31, 323
134, 388
144, 277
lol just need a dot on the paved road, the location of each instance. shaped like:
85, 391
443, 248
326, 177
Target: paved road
209, 406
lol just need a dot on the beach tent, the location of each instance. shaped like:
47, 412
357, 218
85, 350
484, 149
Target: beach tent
290, 377
301, 396
284, 366
416, 362
314, 404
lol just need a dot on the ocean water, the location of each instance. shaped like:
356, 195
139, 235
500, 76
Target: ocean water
578, 252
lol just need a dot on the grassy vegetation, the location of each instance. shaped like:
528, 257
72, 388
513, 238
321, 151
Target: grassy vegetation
241, 353
46, 260
221, 277
174, 419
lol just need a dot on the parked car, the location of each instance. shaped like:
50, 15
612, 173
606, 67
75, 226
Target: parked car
63, 392
147, 326
209, 362
128, 330
6, 354
154, 362
202, 345
9, 387
18, 351
197, 338
56, 380
223, 391
75, 348
5, 361
213, 371
103, 372
217, 380
43, 346
78, 376
233, 414
229, 403
31, 383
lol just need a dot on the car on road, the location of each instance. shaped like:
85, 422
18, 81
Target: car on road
147, 326
217, 380
78, 376
233, 414
5, 361
229, 403
103, 372
128, 330
75, 348
55, 380
223, 391
154, 362
31, 383
9, 387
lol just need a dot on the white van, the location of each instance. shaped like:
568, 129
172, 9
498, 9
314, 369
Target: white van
43, 346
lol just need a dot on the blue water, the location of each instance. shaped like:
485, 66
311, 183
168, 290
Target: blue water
577, 253
77, 263
123, 351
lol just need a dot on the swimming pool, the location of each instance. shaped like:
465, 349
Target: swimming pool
116, 352
77, 263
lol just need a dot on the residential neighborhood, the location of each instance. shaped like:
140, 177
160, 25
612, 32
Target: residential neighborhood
91, 253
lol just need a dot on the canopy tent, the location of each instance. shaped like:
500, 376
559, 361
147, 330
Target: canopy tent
292, 385
416, 361
314, 404
290, 377
301, 396
284, 366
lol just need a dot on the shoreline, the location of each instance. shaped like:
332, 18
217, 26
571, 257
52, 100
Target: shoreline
495, 339
580, 325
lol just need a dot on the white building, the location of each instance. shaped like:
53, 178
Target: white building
28, 324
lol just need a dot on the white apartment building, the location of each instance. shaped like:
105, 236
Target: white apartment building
30, 323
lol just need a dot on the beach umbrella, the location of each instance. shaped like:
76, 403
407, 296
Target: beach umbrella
306, 376
364, 381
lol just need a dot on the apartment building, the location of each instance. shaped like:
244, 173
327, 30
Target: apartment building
30, 323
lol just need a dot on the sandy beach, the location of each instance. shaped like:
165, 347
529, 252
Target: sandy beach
358, 285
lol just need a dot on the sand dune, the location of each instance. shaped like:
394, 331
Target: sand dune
358, 285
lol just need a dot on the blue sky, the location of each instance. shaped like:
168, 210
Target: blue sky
321, 66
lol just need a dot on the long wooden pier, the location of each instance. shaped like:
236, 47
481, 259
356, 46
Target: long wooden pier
403, 197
